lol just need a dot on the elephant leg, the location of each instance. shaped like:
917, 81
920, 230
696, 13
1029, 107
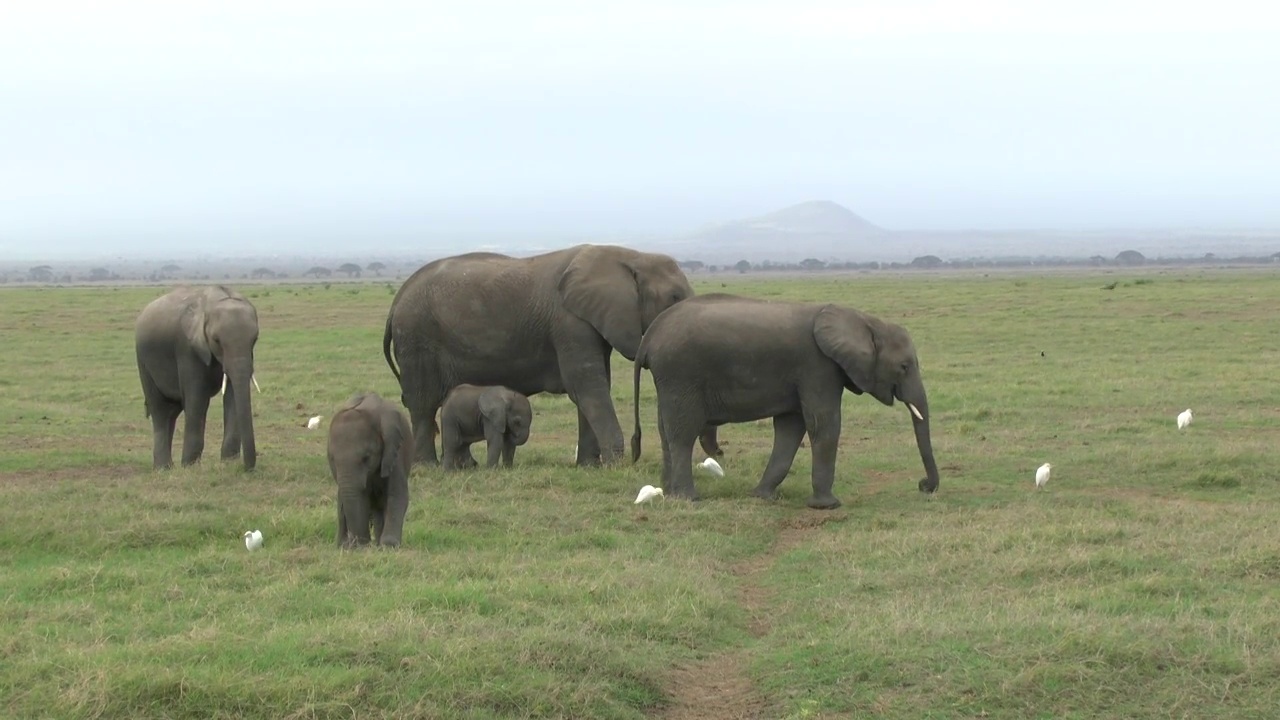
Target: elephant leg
679, 426
424, 435
397, 506
508, 452
824, 441
589, 388
230, 429
588, 444
710, 443
788, 431
195, 409
164, 420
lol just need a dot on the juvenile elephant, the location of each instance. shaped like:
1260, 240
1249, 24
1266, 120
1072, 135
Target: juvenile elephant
546, 323
370, 456
720, 358
189, 343
471, 413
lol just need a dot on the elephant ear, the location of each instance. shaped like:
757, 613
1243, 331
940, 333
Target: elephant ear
493, 406
392, 439
846, 337
601, 287
193, 322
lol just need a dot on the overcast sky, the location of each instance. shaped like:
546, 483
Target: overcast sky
135, 123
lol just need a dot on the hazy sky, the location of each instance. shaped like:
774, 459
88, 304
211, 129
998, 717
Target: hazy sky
134, 123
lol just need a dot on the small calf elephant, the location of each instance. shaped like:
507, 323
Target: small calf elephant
500, 416
370, 455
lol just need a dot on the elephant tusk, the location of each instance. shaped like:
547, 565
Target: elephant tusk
254, 378
223, 391
915, 412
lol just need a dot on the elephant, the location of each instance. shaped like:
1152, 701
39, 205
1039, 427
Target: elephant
500, 416
722, 358
370, 456
547, 323
190, 342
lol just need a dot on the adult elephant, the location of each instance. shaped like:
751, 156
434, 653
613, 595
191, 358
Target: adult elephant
546, 323
190, 343
721, 358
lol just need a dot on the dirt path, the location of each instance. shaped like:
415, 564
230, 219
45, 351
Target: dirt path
719, 687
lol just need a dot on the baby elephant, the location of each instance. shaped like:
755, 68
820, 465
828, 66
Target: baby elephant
370, 453
498, 415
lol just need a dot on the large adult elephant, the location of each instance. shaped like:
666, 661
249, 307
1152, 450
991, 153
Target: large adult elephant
190, 343
546, 323
721, 358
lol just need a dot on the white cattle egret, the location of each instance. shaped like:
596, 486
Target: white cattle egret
1042, 475
647, 493
1184, 418
314, 422
253, 540
713, 466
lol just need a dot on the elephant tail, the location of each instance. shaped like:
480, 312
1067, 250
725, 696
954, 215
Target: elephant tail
386, 343
635, 436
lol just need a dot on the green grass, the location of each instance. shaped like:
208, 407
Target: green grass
1142, 583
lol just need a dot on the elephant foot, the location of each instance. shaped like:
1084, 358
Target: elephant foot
691, 495
925, 487
823, 502
765, 493
389, 543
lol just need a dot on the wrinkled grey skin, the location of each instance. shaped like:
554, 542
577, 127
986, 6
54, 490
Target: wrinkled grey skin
185, 341
547, 323
370, 454
720, 358
497, 415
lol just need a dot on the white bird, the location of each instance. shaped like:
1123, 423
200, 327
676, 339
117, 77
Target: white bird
253, 540
713, 466
1042, 475
647, 493
314, 422
1184, 418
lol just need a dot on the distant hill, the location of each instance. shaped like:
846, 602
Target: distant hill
820, 229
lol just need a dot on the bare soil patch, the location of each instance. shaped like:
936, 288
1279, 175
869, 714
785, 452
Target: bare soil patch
719, 687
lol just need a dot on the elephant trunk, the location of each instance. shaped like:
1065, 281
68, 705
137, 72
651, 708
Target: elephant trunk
241, 378
918, 405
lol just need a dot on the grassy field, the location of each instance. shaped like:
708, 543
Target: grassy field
1143, 583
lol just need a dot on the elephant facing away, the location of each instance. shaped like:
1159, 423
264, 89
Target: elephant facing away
546, 323
191, 342
370, 455
721, 358
497, 415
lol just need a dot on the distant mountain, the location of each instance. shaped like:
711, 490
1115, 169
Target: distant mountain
820, 229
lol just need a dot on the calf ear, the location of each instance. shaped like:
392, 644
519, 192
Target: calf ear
846, 336
493, 406
392, 439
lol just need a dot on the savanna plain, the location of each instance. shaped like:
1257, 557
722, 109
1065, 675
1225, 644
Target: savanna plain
1143, 582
